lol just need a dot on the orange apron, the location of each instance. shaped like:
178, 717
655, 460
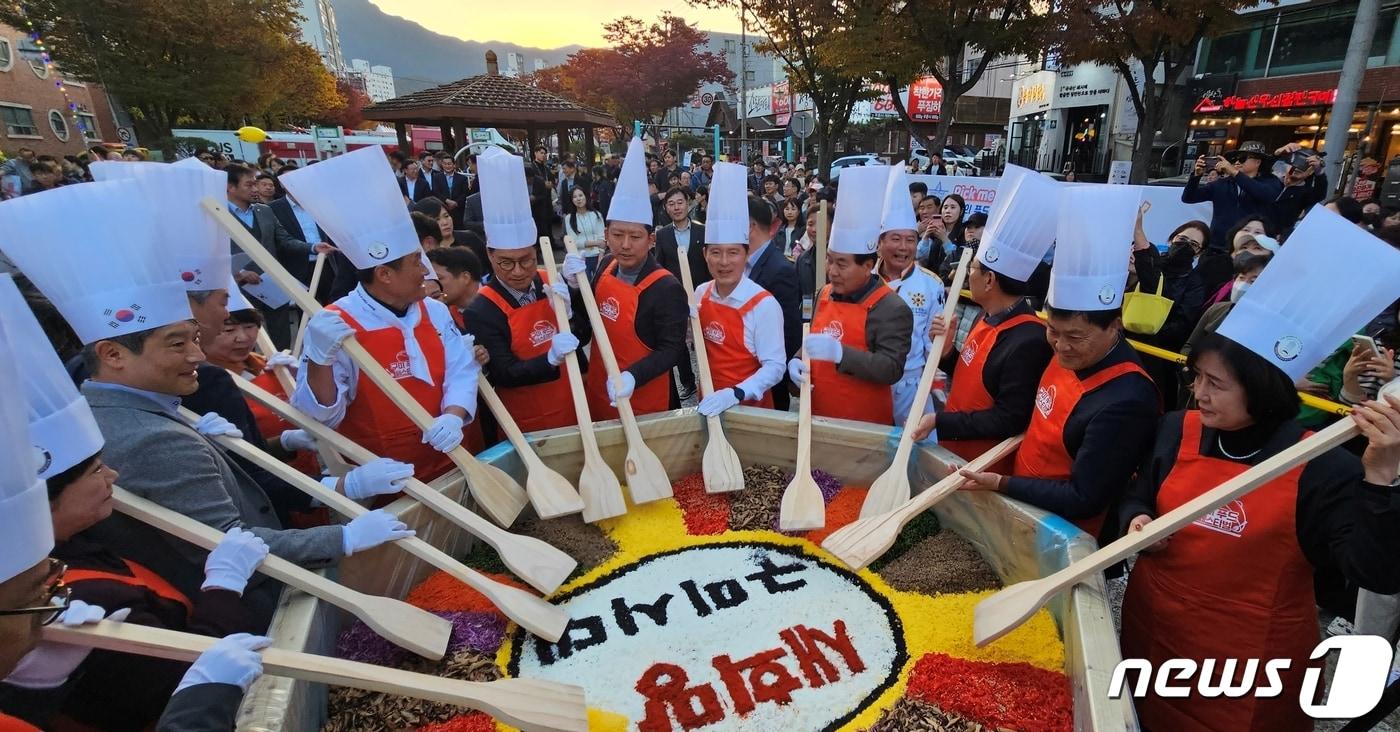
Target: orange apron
969, 393
617, 306
374, 421
15, 724
540, 406
271, 425
139, 577
835, 394
730, 360
1042, 454
1233, 584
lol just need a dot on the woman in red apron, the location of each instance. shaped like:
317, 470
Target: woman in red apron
1238, 582
617, 306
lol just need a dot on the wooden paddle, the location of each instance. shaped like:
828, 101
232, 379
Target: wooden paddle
891, 489
823, 223
539, 564
1003, 612
499, 495
316, 270
721, 467
865, 540
597, 484
549, 492
532, 613
802, 508
407, 626
528, 704
646, 476
335, 464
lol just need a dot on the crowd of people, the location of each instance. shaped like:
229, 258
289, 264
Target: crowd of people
437, 273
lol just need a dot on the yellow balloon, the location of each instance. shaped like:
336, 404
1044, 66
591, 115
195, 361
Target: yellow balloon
251, 134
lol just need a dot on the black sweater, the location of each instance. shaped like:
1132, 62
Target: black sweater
662, 315
490, 326
1011, 375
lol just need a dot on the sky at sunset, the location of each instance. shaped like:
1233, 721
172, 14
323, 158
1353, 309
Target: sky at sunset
546, 23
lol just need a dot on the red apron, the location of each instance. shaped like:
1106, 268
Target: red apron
271, 425
1042, 454
730, 360
15, 724
969, 393
139, 577
835, 394
1233, 584
538, 406
617, 306
374, 421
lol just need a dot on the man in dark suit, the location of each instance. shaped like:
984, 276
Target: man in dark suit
774, 273
450, 186
671, 239
414, 185
300, 225
292, 253
570, 177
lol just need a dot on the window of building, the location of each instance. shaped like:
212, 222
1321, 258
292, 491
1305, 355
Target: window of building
89, 125
7, 54
748, 76
19, 121
58, 124
1227, 53
34, 55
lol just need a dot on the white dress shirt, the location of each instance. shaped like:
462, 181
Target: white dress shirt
309, 231
763, 334
460, 375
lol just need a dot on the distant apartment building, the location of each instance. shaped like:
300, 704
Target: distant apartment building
318, 29
515, 64
539, 64
376, 81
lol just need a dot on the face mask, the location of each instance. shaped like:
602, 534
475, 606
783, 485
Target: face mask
1238, 290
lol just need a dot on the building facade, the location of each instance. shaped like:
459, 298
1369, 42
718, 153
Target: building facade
376, 81
318, 29
36, 111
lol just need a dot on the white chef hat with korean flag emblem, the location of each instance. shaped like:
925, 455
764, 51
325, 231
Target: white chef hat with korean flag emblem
898, 214
236, 300
61, 427
505, 200
1292, 316
26, 528
727, 218
91, 250
1021, 224
1093, 242
859, 205
356, 200
631, 202
193, 242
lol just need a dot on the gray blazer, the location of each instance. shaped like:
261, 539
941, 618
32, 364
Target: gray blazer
162, 459
293, 253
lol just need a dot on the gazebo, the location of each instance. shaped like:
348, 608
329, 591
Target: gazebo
489, 100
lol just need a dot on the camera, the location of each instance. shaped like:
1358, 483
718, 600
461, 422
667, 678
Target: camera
1299, 159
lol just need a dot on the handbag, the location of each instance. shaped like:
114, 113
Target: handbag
1145, 313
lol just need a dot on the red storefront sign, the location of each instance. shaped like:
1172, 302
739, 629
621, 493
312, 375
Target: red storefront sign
1282, 100
925, 99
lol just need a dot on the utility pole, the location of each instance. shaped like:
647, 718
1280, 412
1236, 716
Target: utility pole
743, 87
1363, 31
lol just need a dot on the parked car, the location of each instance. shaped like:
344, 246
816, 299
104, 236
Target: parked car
852, 160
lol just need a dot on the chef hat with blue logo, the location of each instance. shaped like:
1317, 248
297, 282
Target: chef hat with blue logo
1093, 243
26, 529
356, 200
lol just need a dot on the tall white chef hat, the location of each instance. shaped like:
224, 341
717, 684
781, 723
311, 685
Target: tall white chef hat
727, 219
1021, 225
898, 214
90, 249
1093, 241
61, 427
26, 529
856, 227
236, 300
193, 242
356, 200
505, 201
631, 202
1293, 315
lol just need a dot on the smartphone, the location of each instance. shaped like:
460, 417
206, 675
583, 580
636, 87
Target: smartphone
1369, 342
1212, 161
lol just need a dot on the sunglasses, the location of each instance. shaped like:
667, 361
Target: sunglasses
57, 592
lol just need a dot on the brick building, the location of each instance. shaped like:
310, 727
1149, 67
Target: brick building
33, 109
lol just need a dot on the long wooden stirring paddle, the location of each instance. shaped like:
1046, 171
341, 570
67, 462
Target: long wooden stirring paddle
720, 465
802, 508
597, 484
891, 489
532, 613
529, 704
646, 476
407, 626
549, 492
316, 271
498, 494
335, 464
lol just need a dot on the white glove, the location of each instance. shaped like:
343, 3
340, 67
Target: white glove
561, 291
623, 389
378, 477
444, 433
49, 665
718, 402
369, 530
281, 358
695, 311
324, 334
561, 345
233, 659
573, 267
822, 347
233, 561
796, 371
212, 425
296, 440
